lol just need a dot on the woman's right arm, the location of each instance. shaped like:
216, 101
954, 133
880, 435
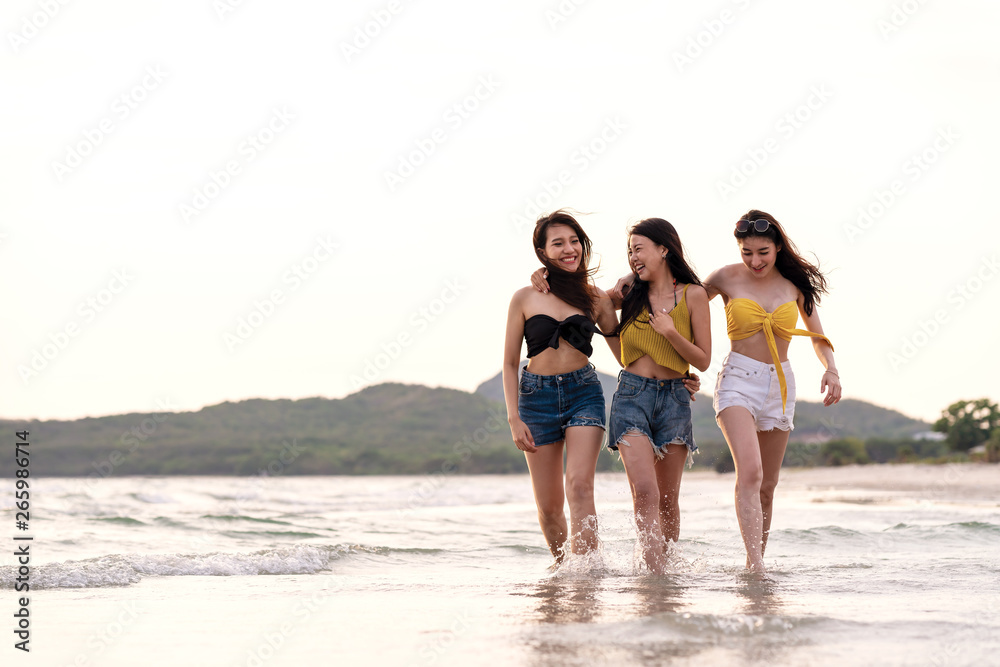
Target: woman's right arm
511, 360
607, 321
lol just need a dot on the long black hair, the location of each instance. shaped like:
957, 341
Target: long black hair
662, 233
573, 287
804, 275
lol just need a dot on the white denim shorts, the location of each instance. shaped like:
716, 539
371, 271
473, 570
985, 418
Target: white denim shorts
752, 384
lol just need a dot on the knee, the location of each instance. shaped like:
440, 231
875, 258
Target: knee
669, 503
767, 491
749, 479
645, 494
551, 512
579, 491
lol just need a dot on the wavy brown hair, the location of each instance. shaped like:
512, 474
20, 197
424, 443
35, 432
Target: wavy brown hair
573, 287
790, 264
660, 232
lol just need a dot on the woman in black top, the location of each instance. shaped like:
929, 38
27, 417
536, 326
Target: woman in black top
558, 401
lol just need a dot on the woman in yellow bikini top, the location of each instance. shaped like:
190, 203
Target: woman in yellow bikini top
754, 393
746, 318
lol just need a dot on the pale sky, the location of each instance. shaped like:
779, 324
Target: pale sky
210, 201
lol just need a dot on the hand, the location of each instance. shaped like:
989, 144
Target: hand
831, 385
621, 288
693, 384
662, 323
522, 436
539, 282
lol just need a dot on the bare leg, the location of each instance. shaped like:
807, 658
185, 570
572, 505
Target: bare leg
583, 446
668, 480
741, 434
546, 470
772, 452
639, 460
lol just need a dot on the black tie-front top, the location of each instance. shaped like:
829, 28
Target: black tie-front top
542, 332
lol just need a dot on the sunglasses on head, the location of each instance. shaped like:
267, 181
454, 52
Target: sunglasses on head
760, 225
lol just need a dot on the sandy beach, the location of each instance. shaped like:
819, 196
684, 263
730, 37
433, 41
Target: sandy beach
948, 482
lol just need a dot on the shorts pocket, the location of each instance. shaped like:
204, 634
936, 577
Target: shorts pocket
682, 395
591, 378
627, 390
526, 388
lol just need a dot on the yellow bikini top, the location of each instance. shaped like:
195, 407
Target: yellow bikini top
745, 317
639, 338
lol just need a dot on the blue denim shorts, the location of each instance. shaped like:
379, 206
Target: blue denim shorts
659, 409
549, 404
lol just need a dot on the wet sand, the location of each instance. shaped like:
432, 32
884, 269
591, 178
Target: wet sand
957, 482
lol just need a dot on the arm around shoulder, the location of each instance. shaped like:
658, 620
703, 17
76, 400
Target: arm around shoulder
717, 283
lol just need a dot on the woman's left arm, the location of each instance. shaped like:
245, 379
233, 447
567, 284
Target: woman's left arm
699, 352
831, 378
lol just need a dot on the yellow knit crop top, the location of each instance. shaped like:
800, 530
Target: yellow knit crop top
639, 338
745, 317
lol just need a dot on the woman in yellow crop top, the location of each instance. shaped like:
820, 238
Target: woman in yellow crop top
755, 391
664, 329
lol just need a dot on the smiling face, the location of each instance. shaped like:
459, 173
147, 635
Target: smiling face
759, 255
645, 256
563, 247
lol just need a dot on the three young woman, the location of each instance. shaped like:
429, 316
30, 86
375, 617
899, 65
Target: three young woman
665, 328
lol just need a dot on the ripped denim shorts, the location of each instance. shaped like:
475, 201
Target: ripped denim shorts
549, 404
659, 409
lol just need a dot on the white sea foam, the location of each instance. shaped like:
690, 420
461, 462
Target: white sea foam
123, 570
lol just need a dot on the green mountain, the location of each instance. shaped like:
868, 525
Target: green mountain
384, 429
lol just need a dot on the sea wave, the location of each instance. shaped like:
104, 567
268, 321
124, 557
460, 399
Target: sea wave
127, 569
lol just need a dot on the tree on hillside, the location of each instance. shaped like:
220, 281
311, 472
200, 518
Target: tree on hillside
844, 451
993, 447
968, 423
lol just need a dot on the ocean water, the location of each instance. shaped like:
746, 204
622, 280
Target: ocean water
877, 565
